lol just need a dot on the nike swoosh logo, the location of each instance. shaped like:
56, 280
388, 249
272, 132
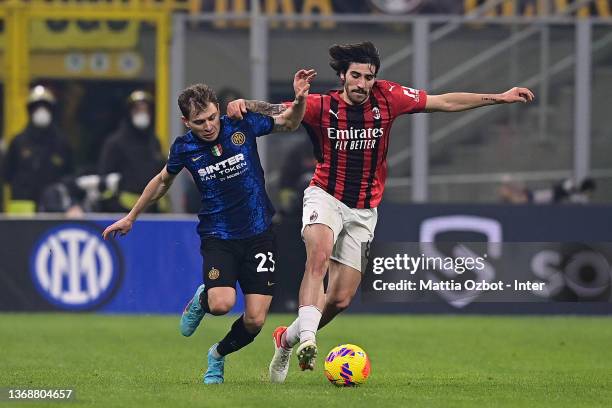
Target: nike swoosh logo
334, 113
271, 283
196, 158
391, 88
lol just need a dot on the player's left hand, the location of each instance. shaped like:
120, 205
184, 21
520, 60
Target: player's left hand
301, 82
517, 94
236, 108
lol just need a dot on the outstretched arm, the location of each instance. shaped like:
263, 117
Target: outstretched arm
157, 187
460, 101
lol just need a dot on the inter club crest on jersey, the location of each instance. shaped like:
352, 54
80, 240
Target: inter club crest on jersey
238, 138
217, 150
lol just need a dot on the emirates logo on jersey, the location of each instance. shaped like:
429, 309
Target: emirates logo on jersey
355, 138
376, 113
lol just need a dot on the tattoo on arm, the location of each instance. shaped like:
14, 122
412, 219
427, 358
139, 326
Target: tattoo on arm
265, 108
490, 99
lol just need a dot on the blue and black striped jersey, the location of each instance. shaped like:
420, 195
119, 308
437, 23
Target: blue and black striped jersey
229, 176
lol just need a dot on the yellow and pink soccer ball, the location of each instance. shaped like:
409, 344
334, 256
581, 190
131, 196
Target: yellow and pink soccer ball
347, 365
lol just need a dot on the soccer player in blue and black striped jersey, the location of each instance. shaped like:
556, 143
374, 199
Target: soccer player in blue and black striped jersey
237, 243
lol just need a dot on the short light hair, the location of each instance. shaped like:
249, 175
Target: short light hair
195, 99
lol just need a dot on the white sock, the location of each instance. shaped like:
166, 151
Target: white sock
309, 317
215, 353
292, 335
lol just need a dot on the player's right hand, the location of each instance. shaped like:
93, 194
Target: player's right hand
235, 109
121, 227
517, 94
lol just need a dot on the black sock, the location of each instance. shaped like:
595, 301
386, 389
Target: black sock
204, 301
237, 338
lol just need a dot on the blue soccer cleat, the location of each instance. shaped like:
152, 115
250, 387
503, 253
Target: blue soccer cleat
214, 373
193, 314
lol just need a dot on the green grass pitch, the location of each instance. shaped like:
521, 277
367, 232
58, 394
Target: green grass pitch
417, 361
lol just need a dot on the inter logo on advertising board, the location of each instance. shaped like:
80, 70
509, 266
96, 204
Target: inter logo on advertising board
74, 268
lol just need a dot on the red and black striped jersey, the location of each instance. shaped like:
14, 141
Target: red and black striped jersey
351, 141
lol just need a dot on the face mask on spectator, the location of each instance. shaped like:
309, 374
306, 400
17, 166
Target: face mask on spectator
41, 117
141, 120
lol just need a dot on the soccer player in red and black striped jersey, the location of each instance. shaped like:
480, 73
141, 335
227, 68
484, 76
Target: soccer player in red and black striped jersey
350, 130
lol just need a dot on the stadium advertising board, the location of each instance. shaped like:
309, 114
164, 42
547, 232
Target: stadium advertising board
460, 273
549, 259
66, 265
561, 255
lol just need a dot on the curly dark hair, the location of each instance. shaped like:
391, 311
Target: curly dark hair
341, 56
195, 99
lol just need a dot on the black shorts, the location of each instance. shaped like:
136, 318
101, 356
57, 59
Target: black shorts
248, 261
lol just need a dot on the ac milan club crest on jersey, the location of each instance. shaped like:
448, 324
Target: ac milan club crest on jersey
217, 150
376, 113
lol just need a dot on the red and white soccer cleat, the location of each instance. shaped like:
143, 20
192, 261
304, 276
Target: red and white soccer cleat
279, 366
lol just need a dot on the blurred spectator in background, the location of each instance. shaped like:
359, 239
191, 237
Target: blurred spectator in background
565, 191
133, 152
37, 157
296, 173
